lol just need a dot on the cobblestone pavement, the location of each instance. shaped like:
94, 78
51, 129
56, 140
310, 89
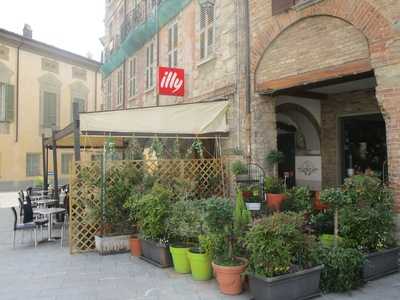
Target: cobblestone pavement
50, 272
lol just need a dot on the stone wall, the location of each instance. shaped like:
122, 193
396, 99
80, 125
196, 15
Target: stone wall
331, 109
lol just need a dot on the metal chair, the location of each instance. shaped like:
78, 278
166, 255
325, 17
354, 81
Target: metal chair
23, 227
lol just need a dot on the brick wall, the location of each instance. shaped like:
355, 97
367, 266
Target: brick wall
331, 109
312, 44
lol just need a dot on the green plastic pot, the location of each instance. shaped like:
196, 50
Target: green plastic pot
180, 259
200, 264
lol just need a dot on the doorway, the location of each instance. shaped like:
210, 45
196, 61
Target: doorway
364, 149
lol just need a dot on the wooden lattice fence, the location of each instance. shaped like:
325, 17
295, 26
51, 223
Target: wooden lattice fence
209, 175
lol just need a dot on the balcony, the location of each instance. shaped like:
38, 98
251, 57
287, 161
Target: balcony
140, 26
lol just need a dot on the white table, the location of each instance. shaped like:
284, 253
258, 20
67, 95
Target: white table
49, 212
45, 202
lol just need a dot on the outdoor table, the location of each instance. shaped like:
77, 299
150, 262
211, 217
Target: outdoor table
45, 202
49, 212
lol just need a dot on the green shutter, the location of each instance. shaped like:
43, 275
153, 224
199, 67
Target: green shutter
9, 98
49, 110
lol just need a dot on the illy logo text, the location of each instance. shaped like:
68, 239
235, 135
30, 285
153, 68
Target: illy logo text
171, 81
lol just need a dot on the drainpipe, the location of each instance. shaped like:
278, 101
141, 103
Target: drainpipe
17, 95
158, 52
248, 76
95, 89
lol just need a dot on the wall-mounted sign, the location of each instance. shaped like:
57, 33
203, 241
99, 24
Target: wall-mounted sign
171, 81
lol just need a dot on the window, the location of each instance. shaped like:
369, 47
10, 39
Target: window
207, 31
6, 102
33, 164
173, 45
66, 163
49, 110
150, 66
120, 87
132, 77
108, 94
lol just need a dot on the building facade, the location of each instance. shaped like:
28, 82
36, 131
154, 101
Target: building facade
38, 84
204, 40
325, 88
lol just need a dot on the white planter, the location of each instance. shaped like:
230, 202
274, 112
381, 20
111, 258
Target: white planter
253, 206
106, 245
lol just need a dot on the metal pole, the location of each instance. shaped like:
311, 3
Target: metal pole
44, 160
55, 169
77, 132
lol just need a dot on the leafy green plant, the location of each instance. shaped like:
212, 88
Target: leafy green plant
158, 148
298, 200
184, 222
152, 211
273, 185
368, 222
239, 168
38, 182
277, 245
273, 159
336, 199
224, 225
342, 268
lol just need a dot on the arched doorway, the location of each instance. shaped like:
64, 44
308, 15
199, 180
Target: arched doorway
319, 74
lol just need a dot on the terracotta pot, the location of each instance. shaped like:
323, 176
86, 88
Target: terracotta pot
136, 248
274, 201
318, 205
247, 194
229, 278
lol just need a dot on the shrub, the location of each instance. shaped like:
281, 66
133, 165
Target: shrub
277, 245
273, 185
368, 223
152, 212
238, 168
343, 268
299, 200
184, 221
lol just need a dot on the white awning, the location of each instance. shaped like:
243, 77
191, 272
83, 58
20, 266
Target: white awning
183, 119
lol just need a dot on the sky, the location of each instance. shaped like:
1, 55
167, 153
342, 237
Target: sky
73, 25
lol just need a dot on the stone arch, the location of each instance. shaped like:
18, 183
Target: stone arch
320, 44
285, 107
376, 28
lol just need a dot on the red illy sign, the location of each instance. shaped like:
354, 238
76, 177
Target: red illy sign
171, 81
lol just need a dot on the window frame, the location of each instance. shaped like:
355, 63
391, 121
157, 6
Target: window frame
205, 31
150, 66
65, 170
29, 163
3, 105
173, 43
132, 77
108, 94
120, 88
57, 116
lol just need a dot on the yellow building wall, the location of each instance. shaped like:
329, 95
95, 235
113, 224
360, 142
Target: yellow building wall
13, 147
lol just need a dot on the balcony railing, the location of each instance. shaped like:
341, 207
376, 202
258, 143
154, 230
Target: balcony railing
137, 16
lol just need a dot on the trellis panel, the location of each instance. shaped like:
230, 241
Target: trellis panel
85, 192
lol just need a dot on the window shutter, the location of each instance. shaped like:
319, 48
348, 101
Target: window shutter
9, 97
280, 6
49, 110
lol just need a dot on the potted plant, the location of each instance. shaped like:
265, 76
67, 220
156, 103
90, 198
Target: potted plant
368, 225
239, 169
281, 264
251, 195
274, 193
134, 241
335, 199
224, 247
273, 159
115, 230
298, 200
183, 225
152, 213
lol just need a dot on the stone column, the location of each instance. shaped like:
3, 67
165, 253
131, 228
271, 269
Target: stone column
264, 133
388, 95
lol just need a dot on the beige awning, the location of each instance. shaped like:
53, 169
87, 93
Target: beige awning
185, 119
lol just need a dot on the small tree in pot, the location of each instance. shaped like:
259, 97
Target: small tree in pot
225, 226
274, 192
